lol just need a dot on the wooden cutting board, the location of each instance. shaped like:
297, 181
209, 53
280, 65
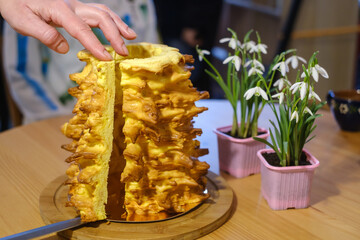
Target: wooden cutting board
195, 223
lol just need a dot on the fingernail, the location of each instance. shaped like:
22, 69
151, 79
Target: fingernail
107, 55
125, 50
62, 47
131, 32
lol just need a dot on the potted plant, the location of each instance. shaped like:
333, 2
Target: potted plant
287, 168
237, 149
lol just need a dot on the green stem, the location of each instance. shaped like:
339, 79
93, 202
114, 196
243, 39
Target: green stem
234, 125
255, 119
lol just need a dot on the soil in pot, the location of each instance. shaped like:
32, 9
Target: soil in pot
229, 134
274, 160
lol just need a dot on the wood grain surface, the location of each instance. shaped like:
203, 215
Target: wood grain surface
30, 158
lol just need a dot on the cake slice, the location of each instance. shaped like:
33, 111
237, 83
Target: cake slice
92, 132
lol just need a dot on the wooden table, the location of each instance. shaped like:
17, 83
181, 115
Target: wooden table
30, 158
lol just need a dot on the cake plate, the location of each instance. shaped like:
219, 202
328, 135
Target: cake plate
193, 224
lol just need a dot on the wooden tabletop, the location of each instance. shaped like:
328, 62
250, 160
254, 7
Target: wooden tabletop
31, 157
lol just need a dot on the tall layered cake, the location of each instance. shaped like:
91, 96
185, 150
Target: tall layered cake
134, 153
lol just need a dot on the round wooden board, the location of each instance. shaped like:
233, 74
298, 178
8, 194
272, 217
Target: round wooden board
195, 223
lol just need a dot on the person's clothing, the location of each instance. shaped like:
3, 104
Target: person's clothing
38, 78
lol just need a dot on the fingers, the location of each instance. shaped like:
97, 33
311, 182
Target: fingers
80, 30
124, 29
35, 27
96, 17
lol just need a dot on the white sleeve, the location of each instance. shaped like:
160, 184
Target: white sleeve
23, 70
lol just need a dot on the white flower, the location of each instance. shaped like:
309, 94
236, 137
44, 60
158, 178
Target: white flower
321, 70
282, 66
315, 71
302, 86
280, 96
307, 110
255, 63
303, 75
343, 108
201, 54
257, 91
313, 94
281, 82
259, 48
294, 60
254, 70
232, 42
235, 60
248, 45
295, 116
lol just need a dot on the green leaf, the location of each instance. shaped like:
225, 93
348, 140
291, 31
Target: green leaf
263, 141
226, 90
312, 118
247, 35
318, 106
275, 143
310, 139
313, 57
289, 51
277, 133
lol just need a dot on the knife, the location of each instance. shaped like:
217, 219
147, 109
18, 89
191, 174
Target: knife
55, 227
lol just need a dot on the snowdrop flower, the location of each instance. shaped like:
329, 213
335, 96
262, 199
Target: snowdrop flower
315, 71
235, 60
259, 48
307, 110
254, 70
281, 82
201, 54
257, 91
280, 96
232, 42
248, 45
282, 66
313, 94
302, 86
321, 70
294, 60
295, 116
255, 63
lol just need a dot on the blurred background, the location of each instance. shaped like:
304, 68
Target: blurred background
328, 26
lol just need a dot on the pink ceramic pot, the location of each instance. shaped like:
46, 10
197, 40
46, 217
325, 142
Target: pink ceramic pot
286, 187
238, 156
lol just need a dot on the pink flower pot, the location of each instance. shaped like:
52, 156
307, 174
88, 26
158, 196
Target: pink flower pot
286, 187
238, 156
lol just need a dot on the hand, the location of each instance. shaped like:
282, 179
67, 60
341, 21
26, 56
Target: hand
38, 18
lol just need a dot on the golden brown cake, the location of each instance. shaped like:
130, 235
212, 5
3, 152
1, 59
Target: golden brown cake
135, 156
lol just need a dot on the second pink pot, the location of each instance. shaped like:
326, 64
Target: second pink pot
287, 187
